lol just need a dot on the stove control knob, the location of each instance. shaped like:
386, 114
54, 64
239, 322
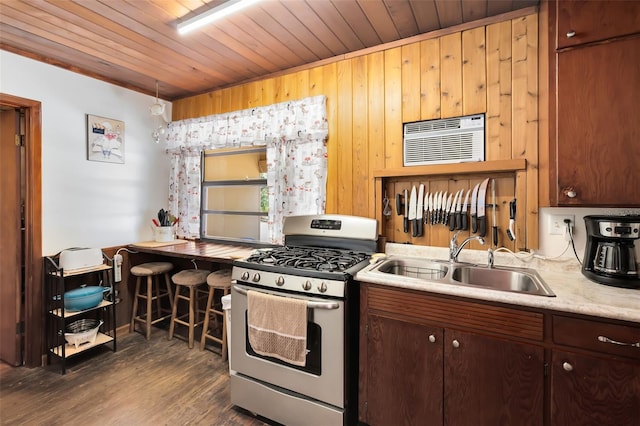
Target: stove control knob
306, 285
245, 276
280, 281
256, 277
322, 287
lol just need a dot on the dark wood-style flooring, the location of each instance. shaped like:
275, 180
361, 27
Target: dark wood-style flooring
155, 382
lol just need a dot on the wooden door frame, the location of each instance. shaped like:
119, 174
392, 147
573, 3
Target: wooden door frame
33, 315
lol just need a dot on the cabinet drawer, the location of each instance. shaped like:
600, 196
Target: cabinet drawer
595, 20
597, 336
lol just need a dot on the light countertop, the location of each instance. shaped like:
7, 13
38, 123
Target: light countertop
574, 292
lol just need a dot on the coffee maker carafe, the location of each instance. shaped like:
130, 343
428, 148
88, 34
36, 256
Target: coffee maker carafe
609, 256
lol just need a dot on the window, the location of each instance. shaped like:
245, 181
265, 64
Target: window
235, 200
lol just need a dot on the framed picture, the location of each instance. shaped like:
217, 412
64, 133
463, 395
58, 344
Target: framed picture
105, 139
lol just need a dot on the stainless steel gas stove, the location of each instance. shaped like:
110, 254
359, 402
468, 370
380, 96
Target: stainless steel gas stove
321, 255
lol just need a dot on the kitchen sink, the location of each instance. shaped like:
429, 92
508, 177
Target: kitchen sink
414, 268
519, 280
505, 279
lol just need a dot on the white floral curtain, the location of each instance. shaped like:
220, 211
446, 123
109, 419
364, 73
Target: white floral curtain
294, 132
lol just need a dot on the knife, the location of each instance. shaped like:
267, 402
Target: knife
465, 221
474, 208
426, 207
482, 218
495, 223
445, 214
436, 206
412, 211
459, 211
442, 199
431, 208
512, 219
419, 211
406, 212
452, 212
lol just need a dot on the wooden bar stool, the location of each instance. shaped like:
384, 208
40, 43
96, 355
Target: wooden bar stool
218, 280
151, 270
189, 279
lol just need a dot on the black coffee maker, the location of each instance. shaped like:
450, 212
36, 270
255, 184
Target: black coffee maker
610, 257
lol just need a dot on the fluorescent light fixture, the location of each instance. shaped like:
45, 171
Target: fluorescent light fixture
225, 9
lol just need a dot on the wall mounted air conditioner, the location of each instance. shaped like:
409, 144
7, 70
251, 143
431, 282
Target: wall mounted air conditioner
444, 141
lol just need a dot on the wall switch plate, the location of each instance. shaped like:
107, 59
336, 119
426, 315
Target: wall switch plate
557, 225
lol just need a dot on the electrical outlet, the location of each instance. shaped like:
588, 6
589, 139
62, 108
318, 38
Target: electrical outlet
117, 259
557, 225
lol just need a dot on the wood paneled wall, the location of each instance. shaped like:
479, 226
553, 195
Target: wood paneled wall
491, 68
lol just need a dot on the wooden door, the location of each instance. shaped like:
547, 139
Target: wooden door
587, 390
404, 373
10, 235
32, 242
492, 382
598, 133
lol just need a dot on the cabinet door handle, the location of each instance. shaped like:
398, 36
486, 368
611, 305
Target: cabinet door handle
571, 34
432, 338
455, 344
567, 366
604, 339
570, 192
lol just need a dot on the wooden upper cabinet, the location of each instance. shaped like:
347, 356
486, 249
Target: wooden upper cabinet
595, 145
581, 21
598, 147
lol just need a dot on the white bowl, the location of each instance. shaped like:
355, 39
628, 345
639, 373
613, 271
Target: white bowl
84, 336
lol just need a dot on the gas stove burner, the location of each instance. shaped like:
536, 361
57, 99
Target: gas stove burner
309, 258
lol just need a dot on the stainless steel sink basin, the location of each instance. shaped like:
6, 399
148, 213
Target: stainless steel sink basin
426, 270
505, 279
519, 280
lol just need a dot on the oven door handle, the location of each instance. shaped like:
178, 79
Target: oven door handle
310, 305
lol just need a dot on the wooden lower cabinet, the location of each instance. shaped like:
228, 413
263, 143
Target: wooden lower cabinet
490, 381
405, 373
595, 372
417, 373
589, 390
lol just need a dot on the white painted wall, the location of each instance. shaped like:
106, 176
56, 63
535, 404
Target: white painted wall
553, 245
88, 203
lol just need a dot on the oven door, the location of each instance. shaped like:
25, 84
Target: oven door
322, 377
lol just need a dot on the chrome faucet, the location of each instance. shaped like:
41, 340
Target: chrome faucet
490, 258
455, 249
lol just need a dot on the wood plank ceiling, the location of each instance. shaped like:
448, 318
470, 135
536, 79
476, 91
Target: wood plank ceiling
134, 43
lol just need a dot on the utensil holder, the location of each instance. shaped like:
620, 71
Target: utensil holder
163, 234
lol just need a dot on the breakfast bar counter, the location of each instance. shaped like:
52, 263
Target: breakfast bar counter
196, 250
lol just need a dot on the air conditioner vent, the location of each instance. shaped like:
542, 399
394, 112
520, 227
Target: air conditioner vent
449, 140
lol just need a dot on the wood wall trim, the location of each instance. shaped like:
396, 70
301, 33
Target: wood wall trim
496, 166
545, 101
34, 330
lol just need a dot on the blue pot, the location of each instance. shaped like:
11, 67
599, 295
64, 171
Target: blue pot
84, 297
